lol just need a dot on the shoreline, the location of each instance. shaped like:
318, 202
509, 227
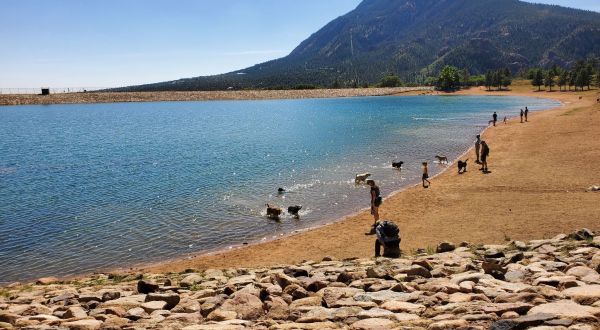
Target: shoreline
206, 259
124, 97
247, 253
140, 266
283, 236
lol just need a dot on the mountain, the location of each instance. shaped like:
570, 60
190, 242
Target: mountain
415, 39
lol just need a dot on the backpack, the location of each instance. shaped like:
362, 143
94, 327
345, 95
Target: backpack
388, 231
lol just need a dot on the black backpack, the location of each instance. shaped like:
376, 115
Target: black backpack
389, 231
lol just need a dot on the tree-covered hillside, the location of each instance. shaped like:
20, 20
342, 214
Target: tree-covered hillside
415, 39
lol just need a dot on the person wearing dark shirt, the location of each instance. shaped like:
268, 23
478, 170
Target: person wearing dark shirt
376, 200
485, 152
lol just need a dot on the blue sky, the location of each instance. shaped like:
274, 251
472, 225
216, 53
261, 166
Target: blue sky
73, 43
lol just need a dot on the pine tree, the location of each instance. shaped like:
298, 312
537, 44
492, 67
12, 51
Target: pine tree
563, 79
572, 79
549, 80
538, 79
488, 80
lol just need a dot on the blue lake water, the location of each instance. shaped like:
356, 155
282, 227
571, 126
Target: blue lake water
92, 187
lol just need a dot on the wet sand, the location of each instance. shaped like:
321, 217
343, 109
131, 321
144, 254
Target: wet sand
536, 189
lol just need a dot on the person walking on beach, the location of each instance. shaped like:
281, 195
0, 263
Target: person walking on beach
477, 147
495, 118
485, 152
522, 113
425, 176
526, 113
376, 201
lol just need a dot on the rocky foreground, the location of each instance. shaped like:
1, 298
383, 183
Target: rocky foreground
543, 284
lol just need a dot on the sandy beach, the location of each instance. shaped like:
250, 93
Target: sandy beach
105, 97
536, 189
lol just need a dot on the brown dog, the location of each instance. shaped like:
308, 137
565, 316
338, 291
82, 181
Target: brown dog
273, 212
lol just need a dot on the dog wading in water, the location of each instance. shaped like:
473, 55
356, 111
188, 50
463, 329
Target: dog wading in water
376, 201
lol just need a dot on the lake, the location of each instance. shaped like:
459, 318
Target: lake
97, 186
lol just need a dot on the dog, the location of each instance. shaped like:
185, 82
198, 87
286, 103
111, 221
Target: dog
361, 177
293, 210
442, 159
462, 166
397, 165
280, 190
273, 212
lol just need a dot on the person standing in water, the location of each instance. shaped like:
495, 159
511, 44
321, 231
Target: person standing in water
522, 115
376, 201
495, 118
477, 146
425, 176
526, 113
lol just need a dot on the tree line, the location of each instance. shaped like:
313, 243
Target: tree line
582, 74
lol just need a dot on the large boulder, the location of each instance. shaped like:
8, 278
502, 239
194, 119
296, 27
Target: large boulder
83, 325
247, 306
566, 309
587, 294
172, 299
145, 287
372, 324
191, 280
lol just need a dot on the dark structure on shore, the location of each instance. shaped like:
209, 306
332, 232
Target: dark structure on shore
45, 91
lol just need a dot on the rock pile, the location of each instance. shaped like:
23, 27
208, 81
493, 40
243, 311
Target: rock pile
543, 284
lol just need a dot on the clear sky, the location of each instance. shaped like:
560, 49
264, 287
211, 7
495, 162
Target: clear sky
106, 43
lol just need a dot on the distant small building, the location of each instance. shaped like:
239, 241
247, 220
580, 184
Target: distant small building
45, 91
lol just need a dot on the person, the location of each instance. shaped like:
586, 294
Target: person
485, 152
477, 147
495, 118
504, 120
376, 201
388, 235
425, 176
522, 115
526, 113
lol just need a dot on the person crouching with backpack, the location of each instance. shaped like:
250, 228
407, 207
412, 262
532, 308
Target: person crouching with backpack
388, 235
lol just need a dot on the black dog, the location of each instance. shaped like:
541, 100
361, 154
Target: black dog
462, 166
280, 190
397, 165
293, 210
